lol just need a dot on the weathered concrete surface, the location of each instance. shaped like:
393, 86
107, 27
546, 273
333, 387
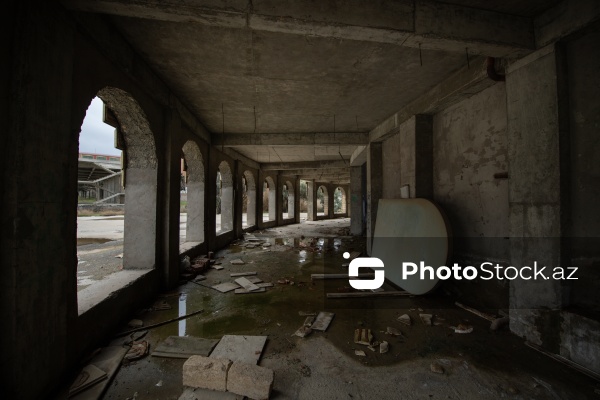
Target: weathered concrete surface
356, 200
206, 373
290, 139
252, 381
535, 191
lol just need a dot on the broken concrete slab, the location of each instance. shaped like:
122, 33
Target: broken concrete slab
246, 349
360, 353
237, 261
206, 372
303, 331
252, 381
405, 319
246, 284
393, 331
238, 274
426, 318
323, 320
218, 267
254, 279
184, 347
384, 347
264, 284
226, 287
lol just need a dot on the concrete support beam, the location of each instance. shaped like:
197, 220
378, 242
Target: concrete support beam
374, 188
359, 157
429, 24
290, 139
313, 171
357, 226
538, 189
329, 164
460, 85
565, 18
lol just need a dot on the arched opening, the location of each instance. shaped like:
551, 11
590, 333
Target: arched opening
248, 200
322, 201
303, 200
269, 200
339, 201
191, 212
224, 216
128, 183
288, 200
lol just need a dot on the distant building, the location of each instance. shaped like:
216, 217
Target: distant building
99, 178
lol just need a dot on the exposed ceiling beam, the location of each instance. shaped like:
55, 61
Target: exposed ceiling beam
289, 139
359, 157
426, 24
328, 164
314, 171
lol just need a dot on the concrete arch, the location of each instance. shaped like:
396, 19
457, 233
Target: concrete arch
342, 207
323, 200
271, 191
195, 192
250, 193
226, 196
288, 199
140, 169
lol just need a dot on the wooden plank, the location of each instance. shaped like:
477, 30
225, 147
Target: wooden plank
244, 291
322, 322
237, 274
245, 349
246, 284
226, 287
339, 276
367, 294
184, 347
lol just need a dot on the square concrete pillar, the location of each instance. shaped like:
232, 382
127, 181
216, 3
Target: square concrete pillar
357, 227
297, 200
374, 188
311, 204
538, 151
330, 201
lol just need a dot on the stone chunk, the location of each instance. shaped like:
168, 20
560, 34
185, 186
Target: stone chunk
249, 380
206, 373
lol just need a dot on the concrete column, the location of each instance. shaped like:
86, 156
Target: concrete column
311, 194
356, 201
274, 200
374, 188
330, 201
251, 207
238, 201
296, 215
538, 189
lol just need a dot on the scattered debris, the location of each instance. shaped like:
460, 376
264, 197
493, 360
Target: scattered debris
135, 323
499, 323
159, 384
393, 331
218, 267
126, 333
246, 284
108, 360
226, 287
360, 353
119, 255
436, 368
254, 279
264, 284
405, 319
309, 320
323, 320
138, 350
185, 263
303, 331
426, 318
384, 347
199, 278
184, 347
238, 274
237, 261
489, 317
363, 336
462, 328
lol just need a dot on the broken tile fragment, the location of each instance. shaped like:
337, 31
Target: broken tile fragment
426, 318
384, 347
363, 336
405, 319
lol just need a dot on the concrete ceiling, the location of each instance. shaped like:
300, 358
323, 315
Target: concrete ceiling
291, 67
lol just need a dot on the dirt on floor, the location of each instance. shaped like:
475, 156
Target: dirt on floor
481, 364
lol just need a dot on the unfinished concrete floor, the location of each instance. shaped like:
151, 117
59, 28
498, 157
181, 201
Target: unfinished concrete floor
481, 364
